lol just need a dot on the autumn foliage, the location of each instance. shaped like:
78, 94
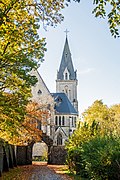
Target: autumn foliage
17, 131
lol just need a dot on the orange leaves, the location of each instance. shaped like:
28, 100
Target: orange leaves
36, 111
19, 124
35, 114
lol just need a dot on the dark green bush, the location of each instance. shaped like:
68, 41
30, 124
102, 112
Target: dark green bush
97, 159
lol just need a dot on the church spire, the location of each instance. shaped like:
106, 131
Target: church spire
66, 64
66, 77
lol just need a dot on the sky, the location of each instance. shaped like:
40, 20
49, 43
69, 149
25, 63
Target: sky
95, 55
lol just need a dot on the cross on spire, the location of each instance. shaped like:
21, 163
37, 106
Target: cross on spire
66, 31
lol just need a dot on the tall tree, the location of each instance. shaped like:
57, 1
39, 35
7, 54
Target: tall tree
21, 49
107, 117
93, 149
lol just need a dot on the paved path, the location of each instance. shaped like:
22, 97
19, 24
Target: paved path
42, 171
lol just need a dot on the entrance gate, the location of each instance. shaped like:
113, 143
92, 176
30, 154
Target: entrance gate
24, 153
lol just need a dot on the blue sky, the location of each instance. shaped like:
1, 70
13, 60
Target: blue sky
95, 55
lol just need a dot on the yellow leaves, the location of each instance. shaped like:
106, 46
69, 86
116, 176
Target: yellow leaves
21, 50
27, 131
108, 118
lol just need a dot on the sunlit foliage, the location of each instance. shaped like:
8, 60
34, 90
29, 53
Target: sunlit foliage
93, 149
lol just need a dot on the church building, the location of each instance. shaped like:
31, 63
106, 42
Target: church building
63, 102
66, 103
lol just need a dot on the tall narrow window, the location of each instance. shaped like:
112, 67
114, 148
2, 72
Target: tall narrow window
63, 120
39, 125
56, 120
66, 90
75, 121
66, 76
59, 139
70, 94
59, 120
72, 122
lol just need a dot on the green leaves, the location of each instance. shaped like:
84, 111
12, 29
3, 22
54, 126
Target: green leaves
93, 149
109, 9
21, 50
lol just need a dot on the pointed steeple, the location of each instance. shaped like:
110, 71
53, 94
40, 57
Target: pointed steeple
66, 66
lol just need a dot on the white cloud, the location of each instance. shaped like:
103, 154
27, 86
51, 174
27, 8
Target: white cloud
85, 71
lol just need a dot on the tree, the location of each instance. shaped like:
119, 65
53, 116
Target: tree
28, 131
94, 146
21, 50
108, 118
111, 10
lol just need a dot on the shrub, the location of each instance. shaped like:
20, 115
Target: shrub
101, 157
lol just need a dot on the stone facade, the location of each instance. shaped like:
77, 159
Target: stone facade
67, 77
63, 105
66, 113
42, 96
69, 87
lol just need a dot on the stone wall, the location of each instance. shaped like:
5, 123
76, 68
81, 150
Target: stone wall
24, 154
58, 155
7, 156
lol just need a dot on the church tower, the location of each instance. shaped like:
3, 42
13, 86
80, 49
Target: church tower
66, 77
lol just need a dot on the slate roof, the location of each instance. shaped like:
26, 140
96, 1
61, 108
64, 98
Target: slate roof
66, 62
63, 105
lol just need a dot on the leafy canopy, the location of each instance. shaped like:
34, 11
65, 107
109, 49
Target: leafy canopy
93, 149
21, 50
98, 119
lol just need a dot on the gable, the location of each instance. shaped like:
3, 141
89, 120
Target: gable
40, 92
60, 131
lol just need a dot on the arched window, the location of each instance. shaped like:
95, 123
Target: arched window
66, 90
59, 139
59, 120
56, 120
63, 120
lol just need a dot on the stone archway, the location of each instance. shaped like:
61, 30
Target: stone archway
40, 151
24, 153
